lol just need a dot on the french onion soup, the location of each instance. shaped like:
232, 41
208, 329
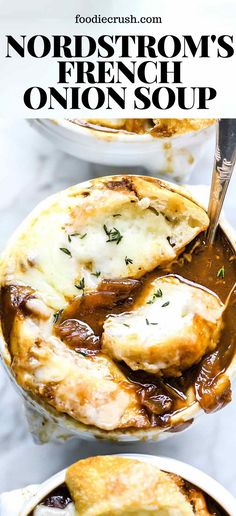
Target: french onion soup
114, 312
122, 487
157, 127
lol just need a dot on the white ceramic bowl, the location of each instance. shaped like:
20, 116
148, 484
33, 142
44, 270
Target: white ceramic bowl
21, 502
46, 424
170, 158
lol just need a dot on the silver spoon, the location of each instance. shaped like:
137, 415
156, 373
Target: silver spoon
224, 161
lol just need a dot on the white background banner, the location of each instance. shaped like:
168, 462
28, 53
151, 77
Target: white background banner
137, 81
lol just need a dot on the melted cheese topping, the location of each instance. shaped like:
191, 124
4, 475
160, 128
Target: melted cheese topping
172, 327
92, 391
70, 241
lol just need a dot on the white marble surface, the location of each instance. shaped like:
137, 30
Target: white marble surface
31, 169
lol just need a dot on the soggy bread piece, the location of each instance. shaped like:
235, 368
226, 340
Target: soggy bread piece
117, 486
92, 390
171, 327
93, 229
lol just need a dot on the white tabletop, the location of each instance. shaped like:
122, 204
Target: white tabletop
31, 169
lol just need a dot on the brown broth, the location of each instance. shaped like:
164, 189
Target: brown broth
59, 498
193, 493
86, 314
212, 387
80, 326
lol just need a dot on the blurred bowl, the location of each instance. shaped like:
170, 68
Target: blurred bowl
173, 157
18, 503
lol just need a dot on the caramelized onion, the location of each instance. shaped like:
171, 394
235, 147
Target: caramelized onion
13, 299
79, 336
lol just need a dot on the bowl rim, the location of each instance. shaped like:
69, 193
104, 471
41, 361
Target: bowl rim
120, 136
190, 473
64, 422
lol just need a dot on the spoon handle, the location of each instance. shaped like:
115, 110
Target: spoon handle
225, 157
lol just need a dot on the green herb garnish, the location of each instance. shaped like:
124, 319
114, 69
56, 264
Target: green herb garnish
97, 274
56, 315
152, 323
156, 294
165, 304
128, 326
113, 234
66, 251
77, 234
221, 272
69, 238
116, 215
81, 285
128, 260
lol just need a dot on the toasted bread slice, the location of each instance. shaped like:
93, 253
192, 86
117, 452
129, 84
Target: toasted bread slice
117, 486
173, 325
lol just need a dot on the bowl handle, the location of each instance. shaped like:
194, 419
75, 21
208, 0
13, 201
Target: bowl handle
12, 502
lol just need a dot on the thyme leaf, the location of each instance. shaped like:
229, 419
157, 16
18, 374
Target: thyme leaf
66, 251
221, 272
152, 323
57, 315
165, 304
97, 274
77, 234
81, 285
128, 260
113, 234
156, 294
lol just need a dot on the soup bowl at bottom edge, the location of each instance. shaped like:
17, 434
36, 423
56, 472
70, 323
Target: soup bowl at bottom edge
22, 501
46, 424
172, 158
